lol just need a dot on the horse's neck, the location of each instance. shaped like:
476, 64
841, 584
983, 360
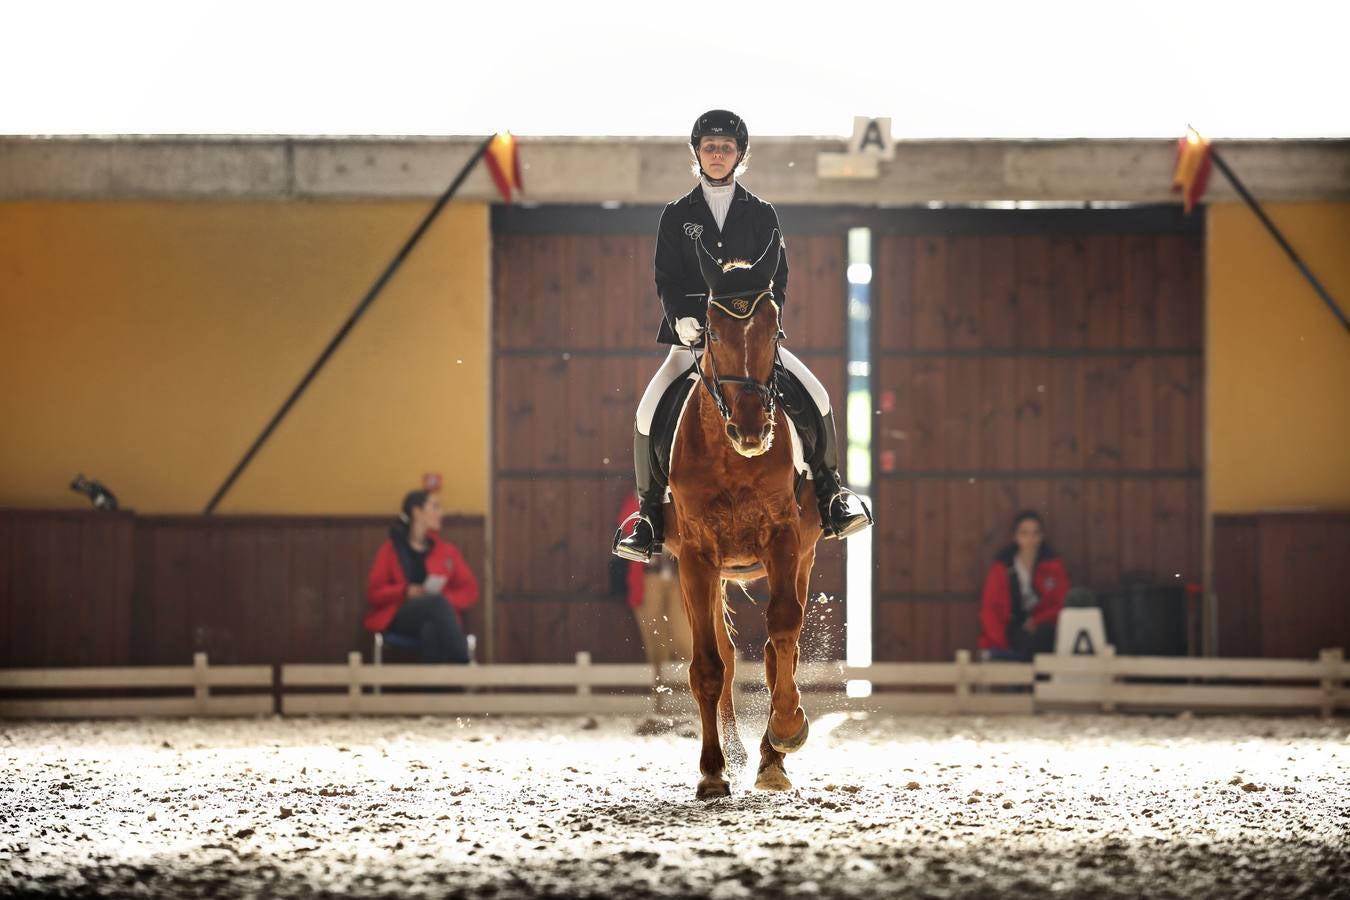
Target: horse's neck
706, 437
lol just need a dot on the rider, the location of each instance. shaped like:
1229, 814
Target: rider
733, 224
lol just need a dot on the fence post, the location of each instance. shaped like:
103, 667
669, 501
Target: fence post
962, 680
354, 680
1331, 660
583, 673
1109, 682
201, 689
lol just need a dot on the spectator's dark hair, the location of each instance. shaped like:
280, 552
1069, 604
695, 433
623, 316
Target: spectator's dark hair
1047, 550
412, 500
1026, 514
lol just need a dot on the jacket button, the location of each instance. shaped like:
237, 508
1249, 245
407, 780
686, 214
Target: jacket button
719, 262
719, 243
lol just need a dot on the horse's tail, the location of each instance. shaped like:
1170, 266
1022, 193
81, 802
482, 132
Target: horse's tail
727, 615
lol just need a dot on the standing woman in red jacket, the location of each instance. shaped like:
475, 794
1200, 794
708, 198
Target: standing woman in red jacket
1023, 594
419, 583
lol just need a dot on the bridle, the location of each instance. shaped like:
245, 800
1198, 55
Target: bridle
739, 306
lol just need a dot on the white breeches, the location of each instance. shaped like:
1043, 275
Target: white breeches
677, 362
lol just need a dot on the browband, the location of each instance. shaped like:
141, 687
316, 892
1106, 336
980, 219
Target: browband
740, 305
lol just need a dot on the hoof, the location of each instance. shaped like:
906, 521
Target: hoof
710, 788
792, 744
772, 778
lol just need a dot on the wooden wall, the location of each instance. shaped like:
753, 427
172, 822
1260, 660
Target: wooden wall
1052, 369
116, 589
66, 591
575, 316
1282, 582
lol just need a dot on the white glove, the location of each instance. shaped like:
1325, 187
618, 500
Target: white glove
688, 330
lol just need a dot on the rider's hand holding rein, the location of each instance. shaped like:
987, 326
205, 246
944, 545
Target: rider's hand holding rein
689, 330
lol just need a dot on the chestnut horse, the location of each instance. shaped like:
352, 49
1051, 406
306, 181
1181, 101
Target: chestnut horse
739, 515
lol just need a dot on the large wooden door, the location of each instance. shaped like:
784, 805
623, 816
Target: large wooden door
575, 316
1050, 361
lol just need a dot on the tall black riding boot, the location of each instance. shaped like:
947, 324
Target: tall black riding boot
842, 512
649, 529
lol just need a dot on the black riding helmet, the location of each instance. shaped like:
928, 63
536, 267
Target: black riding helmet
719, 123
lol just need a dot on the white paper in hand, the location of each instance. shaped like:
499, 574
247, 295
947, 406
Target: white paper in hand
433, 584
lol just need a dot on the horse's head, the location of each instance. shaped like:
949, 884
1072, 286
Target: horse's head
742, 340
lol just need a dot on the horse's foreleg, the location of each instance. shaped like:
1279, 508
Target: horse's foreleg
787, 723
726, 709
772, 775
700, 585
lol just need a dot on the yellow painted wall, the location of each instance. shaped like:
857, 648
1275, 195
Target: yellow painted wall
1279, 361
147, 343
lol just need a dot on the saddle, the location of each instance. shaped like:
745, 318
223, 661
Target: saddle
792, 397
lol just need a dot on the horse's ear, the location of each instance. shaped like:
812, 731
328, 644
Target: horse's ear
767, 265
710, 267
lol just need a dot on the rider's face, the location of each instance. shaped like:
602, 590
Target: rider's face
718, 156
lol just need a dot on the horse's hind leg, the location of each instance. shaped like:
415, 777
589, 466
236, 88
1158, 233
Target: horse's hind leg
726, 709
701, 584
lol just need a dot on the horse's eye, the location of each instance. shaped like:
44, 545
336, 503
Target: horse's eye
713, 336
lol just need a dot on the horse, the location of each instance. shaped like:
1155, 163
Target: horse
739, 513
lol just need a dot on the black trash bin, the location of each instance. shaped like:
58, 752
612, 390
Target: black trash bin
1156, 615
1145, 619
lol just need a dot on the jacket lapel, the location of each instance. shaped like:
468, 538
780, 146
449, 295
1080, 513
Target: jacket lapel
702, 215
740, 203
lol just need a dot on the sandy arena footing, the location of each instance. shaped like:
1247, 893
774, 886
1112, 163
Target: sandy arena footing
1091, 806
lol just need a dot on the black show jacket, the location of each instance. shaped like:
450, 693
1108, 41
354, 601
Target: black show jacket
745, 234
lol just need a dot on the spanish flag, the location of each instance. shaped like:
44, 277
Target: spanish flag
1191, 174
503, 160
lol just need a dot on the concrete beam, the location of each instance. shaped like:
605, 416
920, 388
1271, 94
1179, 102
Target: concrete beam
646, 170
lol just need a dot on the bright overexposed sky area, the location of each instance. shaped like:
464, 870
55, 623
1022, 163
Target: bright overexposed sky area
939, 69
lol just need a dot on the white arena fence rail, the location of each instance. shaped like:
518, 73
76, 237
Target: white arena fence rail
1207, 684
578, 688
199, 678
960, 686
1105, 682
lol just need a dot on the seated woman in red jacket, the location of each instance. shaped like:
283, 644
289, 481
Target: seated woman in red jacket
1023, 594
419, 583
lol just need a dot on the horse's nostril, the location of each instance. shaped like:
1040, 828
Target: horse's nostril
766, 431
733, 432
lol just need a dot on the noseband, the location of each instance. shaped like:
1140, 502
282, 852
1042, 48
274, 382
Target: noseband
739, 306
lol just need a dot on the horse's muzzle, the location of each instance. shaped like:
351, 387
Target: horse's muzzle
747, 445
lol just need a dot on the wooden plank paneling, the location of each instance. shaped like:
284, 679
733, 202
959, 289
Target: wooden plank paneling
1076, 391
929, 297
242, 589
998, 310
961, 320
1281, 581
1031, 254
1068, 291
894, 544
893, 287
1032, 415
1304, 579
1237, 585
68, 592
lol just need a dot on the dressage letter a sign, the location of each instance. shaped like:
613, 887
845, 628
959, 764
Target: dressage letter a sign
872, 137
